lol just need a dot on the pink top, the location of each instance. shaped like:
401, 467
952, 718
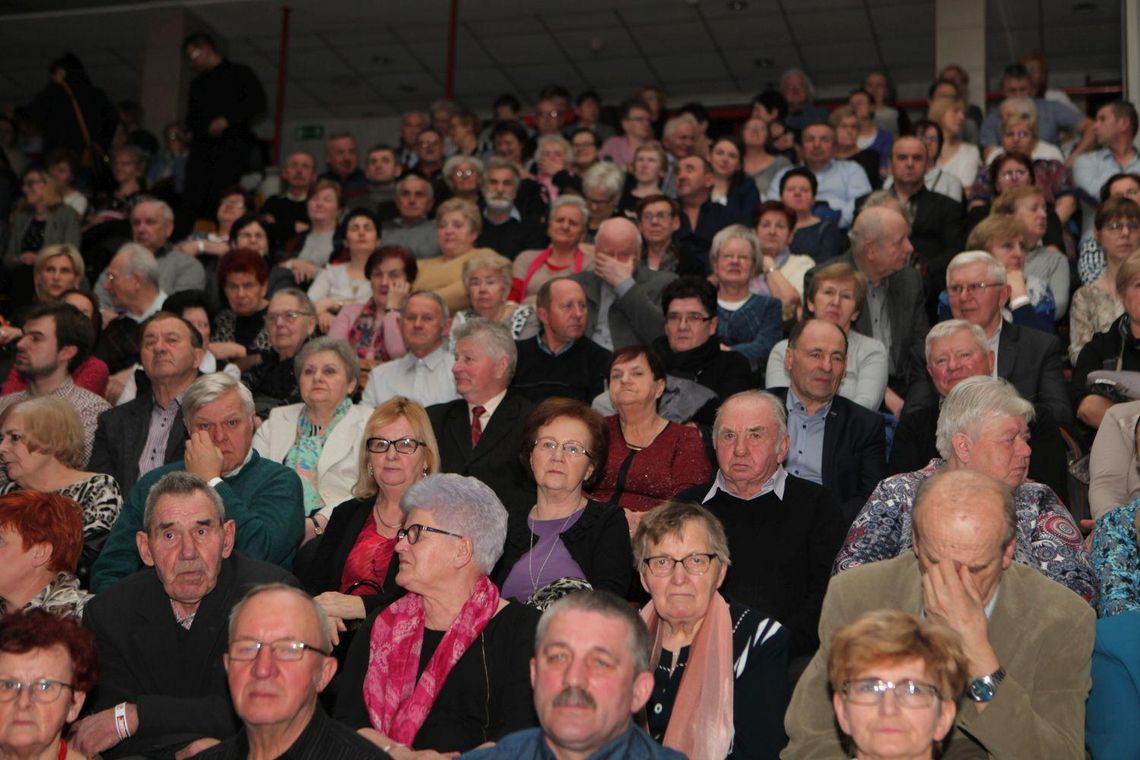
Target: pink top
393, 338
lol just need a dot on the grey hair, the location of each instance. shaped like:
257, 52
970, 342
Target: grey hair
343, 351
464, 505
886, 199
570, 199
973, 401
208, 388
301, 296
735, 232
994, 270
137, 259
164, 207
608, 605
180, 483
433, 296
488, 259
452, 163
869, 226
777, 407
672, 124
494, 337
788, 74
498, 162
558, 140
605, 177
415, 178
268, 588
948, 327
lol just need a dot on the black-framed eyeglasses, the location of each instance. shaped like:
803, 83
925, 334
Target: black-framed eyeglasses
413, 532
971, 288
697, 563
674, 317
282, 650
43, 691
909, 693
404, 445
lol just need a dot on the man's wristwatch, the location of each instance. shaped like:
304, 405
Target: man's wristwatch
983, 689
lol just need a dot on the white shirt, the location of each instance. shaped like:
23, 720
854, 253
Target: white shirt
775, 484
489, 407
426, 381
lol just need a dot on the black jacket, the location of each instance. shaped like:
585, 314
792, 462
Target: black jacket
121, 435
722, 372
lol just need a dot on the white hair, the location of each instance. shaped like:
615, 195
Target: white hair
994, 270
463, 505
973, 401
948, 327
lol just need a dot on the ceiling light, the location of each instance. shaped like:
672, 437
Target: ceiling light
737, 5
763, 63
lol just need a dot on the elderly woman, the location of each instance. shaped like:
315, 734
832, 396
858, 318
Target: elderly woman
658, 217
781, 271
372, 327
732, 187
747, 322
1096, 306
475, 686
43, 539
757, 162
566, 228
353, 570
240, 329
338, 284
816, 237
720, 667
648, 170
602, 187
565, 535
54, 659
459, 223
923, 666
290, 320
41, 448
551, 162
1046, 268
319, 438
983, 426
312, 249
650, 459
487, 278
1005, 173
1050, 173
837, 294
958, 157
463, 175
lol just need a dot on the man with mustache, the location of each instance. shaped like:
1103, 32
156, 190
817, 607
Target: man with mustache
590, 673
158, 633
506, 228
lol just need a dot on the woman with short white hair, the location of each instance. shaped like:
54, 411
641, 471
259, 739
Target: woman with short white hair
748, 322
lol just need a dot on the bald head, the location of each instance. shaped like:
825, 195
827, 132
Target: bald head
618, 237
964, 499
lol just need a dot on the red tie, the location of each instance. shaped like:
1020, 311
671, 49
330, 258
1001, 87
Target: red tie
476, 425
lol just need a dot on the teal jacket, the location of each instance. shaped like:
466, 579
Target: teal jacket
264, 499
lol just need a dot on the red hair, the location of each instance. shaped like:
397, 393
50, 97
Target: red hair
46, 518
23, 632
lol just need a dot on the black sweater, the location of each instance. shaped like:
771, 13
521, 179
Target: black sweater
577, 373
722, 372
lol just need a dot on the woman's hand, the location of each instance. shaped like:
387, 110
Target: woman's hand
302, 270
343, 606
28, 257
227, 351
398, 295
1017, 286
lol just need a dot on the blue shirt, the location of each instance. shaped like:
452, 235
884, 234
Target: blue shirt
805, 439
530, 744
840, 183
1053, 118
1090, 172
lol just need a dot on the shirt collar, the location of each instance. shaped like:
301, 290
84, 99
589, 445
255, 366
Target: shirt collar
774, 484
150, 311
240, 467
432, 361
514, 214
490, 405
548, 350
793, 404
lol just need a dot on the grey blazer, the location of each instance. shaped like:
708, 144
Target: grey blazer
636, 317
62, 227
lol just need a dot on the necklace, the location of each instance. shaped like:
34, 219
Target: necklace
553, 545
387, 524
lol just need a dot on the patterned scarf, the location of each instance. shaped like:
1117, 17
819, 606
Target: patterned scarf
305, 454
366, 335
397, 703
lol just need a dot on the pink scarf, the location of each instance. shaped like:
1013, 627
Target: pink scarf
397, 703
701, 723
519, 286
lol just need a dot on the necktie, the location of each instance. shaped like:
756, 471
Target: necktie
476, 425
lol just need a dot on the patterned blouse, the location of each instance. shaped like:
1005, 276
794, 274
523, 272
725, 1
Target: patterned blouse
100, 498
1116, 559
1047, 537
62, 597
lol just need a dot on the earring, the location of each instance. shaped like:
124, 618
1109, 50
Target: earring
370, 469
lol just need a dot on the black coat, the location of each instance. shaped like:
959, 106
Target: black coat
579, 372
722, 372
121, 435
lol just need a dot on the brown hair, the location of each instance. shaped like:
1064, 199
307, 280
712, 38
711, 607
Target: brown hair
553, 408
46, 518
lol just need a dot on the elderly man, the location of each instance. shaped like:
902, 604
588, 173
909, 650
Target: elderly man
276, 664
263, 498
840, 181
700, 217
430, 150
983, 427
957, 349
783, 531
505, 229
480, 434
343, 167
833, 441
133, 286
801, 111
424, 373
57, 339
679, 137
560, 360
158, 633
1053, 117
590, 674
1028, 358
622, 297
412, 229
288, 212
1028, 640
1115, 131
147, 431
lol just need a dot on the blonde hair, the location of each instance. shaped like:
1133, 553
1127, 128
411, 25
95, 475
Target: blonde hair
388, 412
466, 208
60, 249
940, 105
51, 426
488, 259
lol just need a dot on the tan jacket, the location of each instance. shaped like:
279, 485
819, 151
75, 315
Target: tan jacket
1113, 478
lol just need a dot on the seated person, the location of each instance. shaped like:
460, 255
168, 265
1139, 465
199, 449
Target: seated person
1110, 726
474, 687
505, 228
833, 441
337, 285
1114, 478
411, 228
263, 498
747, 322
208, 246
1046, 268
1003, 237
921, 664
40, 219
567, 536
240, 329
560, 360
132, 283
957, 349
43, 537
487, 279
372, 327
423, 374
983, 427
566, 229
812, 235
1090, 260
290, 320
306, 253
780, 272
1116, 560
158, 631
1028, 646
42, 450
1096, 306
458, 223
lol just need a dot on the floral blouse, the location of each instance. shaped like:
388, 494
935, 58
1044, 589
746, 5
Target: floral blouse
1116, 560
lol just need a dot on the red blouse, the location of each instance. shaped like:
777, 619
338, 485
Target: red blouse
675, 461
368, 561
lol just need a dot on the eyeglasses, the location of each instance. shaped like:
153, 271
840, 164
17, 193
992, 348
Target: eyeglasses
695, 564
403, 445
908, 693
1020, 134
43, 691
282, 650
415, 530
464, 173
290, 316
1123, 226
970, 288
675, 318
1014, 174
571, 449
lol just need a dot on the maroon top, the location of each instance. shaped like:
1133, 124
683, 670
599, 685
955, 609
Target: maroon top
368, 560
675, 461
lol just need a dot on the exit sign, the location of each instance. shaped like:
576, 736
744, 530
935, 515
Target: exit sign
311, 132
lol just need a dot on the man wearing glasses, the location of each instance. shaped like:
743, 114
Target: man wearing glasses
158, 633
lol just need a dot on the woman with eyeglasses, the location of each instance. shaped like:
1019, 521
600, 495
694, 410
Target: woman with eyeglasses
748, 322
719, 668
352, 569
48, 668
290, 320
895, 682
463, 176
1097, 305
446, 667
566, 541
